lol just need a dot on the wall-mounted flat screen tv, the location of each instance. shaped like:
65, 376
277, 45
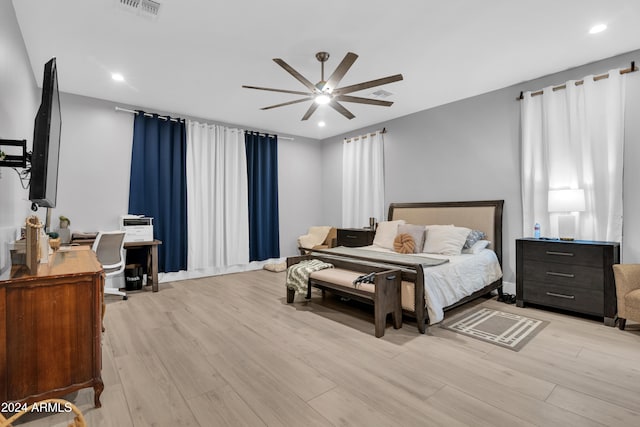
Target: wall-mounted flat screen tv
46, 142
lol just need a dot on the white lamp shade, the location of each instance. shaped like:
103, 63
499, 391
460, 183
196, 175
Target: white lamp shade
566, 200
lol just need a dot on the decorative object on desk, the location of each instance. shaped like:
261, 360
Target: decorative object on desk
64, 221
34, 227
566, 203
506, 330
54, 241
372, 223
63, 229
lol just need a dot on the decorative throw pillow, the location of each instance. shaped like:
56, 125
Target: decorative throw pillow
416, 231
276, 268
404, 244
386, 232
474, 236
445, 239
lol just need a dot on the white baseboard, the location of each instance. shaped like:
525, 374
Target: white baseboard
216, 271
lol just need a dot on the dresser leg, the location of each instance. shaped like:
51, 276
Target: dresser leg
610, 321
98, 387
519, 303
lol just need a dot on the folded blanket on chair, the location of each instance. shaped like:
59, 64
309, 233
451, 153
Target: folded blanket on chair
298, 274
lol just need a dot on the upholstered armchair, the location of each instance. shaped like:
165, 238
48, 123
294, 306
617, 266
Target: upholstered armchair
627, 292
318, 237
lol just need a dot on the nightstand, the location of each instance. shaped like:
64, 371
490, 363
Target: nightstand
570, 275
354, 237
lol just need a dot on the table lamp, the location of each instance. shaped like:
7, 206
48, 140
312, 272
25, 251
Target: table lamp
565, 202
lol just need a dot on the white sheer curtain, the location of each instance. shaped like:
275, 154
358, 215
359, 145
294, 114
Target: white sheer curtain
217, 207
573, 139
362, 180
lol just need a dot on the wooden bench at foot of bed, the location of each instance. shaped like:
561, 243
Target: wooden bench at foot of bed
383, 293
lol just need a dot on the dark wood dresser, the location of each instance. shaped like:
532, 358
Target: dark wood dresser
50, 328
354, 237
571, 275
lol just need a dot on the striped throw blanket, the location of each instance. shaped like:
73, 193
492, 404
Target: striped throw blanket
298, 274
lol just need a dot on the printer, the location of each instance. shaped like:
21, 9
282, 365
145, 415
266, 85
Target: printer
137, 228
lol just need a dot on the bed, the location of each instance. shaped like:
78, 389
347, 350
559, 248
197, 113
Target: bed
431, 288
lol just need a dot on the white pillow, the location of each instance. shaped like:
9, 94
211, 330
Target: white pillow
445, 239
386, 232
477, 247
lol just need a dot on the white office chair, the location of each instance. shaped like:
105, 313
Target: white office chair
109, 247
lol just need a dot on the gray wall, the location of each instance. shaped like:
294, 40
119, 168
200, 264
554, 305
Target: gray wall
18, 105
470, 150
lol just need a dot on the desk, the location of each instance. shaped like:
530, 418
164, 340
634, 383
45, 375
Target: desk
151, 248
50, 328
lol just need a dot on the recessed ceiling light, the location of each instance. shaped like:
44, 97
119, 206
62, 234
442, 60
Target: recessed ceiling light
598, 28
117, 77
322, 124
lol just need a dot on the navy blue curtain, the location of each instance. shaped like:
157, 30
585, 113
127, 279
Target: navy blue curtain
262, 173
158, 186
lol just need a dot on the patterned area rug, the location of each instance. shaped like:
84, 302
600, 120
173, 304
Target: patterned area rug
507, 330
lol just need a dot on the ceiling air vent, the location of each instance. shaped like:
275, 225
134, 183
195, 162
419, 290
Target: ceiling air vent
381, 94
147, 8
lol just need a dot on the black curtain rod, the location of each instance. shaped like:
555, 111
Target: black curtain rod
173, 119
384, 130
631, 69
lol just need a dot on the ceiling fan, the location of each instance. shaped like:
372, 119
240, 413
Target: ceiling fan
326, 91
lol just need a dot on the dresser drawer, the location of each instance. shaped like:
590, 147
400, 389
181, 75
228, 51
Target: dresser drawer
556, 252
576, 299
564, 274
353, 237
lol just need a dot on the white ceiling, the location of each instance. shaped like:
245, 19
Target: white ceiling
195, 56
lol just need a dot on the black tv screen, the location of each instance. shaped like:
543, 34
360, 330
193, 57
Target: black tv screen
46, 142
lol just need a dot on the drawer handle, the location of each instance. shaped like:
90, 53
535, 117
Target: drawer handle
553, 294
559, 253
553, 273
349, 236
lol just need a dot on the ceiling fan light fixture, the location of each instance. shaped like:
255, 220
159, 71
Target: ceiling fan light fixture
329, 92
322, 99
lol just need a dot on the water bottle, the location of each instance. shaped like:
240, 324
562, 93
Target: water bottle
536, 231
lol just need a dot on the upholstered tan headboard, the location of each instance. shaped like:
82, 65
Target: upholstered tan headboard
483, 215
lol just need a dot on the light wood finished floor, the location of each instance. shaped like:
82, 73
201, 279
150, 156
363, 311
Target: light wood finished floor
229, 351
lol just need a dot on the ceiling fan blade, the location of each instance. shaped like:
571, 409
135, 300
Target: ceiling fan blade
366, 85
286, 103
340, 109
296, 74
340, 71
294, 92
357, 99
310, 111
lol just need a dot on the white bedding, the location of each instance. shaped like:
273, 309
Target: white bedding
448, 283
